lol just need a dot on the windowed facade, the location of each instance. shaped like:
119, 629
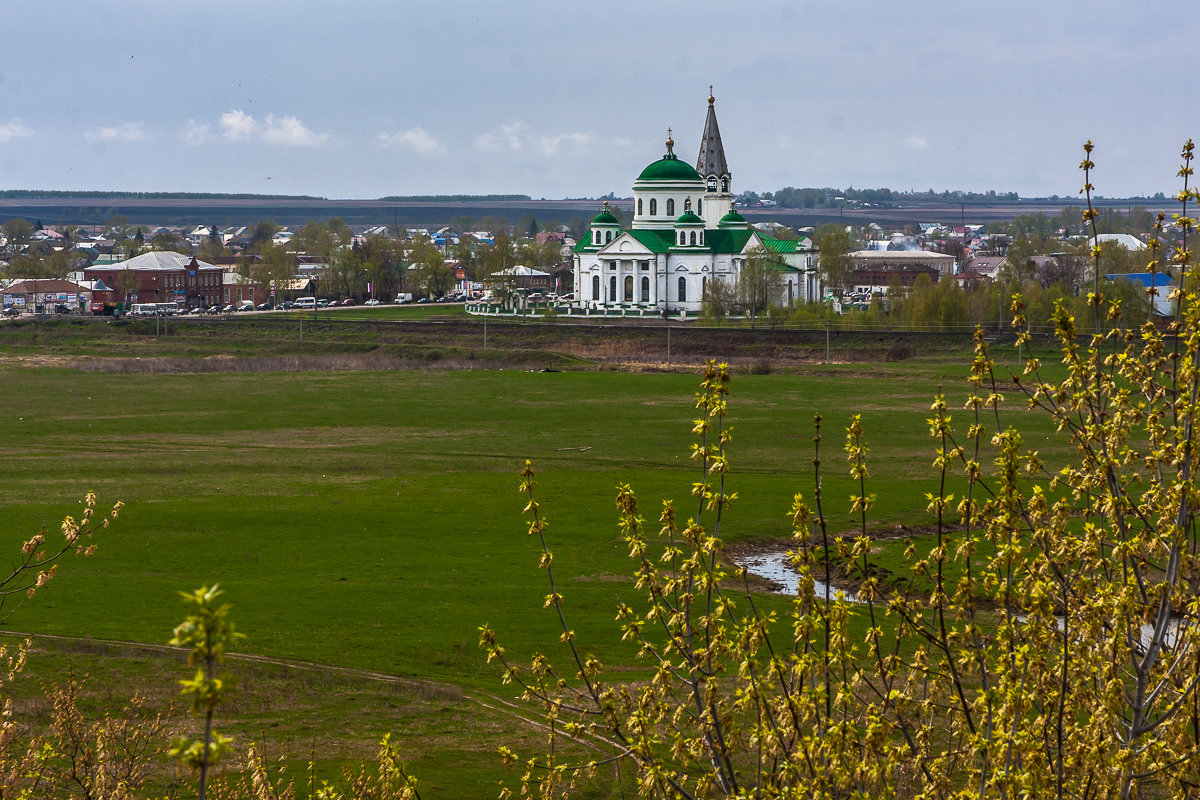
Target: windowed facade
645, 289
595, 287
612, 288
682, 296
628, 296
653, 207
671, 207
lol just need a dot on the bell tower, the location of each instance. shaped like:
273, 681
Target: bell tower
713, 169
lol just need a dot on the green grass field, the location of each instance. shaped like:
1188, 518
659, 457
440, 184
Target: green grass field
370, 520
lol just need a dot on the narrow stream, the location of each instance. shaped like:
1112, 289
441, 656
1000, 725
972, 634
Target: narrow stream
775, 567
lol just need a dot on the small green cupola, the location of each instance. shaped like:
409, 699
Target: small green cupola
604, 228
689, 228
733, 219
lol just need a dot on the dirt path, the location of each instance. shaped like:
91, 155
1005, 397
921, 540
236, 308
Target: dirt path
517, 712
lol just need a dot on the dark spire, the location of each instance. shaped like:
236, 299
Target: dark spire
712, 152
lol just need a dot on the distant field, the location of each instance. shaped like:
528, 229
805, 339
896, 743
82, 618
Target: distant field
369, 519
87, 212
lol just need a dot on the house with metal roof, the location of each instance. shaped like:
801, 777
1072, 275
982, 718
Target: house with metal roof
159, 276
685, 235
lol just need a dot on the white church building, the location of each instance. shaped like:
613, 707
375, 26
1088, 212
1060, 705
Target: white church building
685, 234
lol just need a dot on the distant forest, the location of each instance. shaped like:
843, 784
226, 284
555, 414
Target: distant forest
826, 197
43, 194
441, 198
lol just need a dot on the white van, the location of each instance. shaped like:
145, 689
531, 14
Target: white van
305, 302
144, 309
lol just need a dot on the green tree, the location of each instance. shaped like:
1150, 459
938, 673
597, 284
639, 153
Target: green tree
1040, 641
433, 276
17, 231
719, 300
261, 234
213, 247
760, 281
207, 632
833, 243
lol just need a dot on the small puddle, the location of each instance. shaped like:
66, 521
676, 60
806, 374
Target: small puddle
777, 568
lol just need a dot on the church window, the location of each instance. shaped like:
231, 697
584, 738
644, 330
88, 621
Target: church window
596, 236
693, 238
724, 184
701, 238
682, 289
670, 206
607, 237
680, 238
612, 289
653, 207
698, 207
628, 288
645, 289
595, 287
704, 286
639, 206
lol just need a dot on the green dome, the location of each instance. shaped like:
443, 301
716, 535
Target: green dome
669, 168
604, 218
732, 220
688, 218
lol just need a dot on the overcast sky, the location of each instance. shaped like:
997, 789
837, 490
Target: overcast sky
567, 99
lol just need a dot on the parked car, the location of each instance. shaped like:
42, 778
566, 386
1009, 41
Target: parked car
371, 302
197, 310
323, 302
11, 311
263, 307
349, 301
287, 305
425, 300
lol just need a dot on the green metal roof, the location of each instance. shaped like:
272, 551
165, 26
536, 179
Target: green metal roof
782, 245
669, 168
656, 241
688, 218
733, 220
729, 241
604, 218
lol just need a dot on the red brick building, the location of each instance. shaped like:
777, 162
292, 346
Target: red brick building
160, 276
